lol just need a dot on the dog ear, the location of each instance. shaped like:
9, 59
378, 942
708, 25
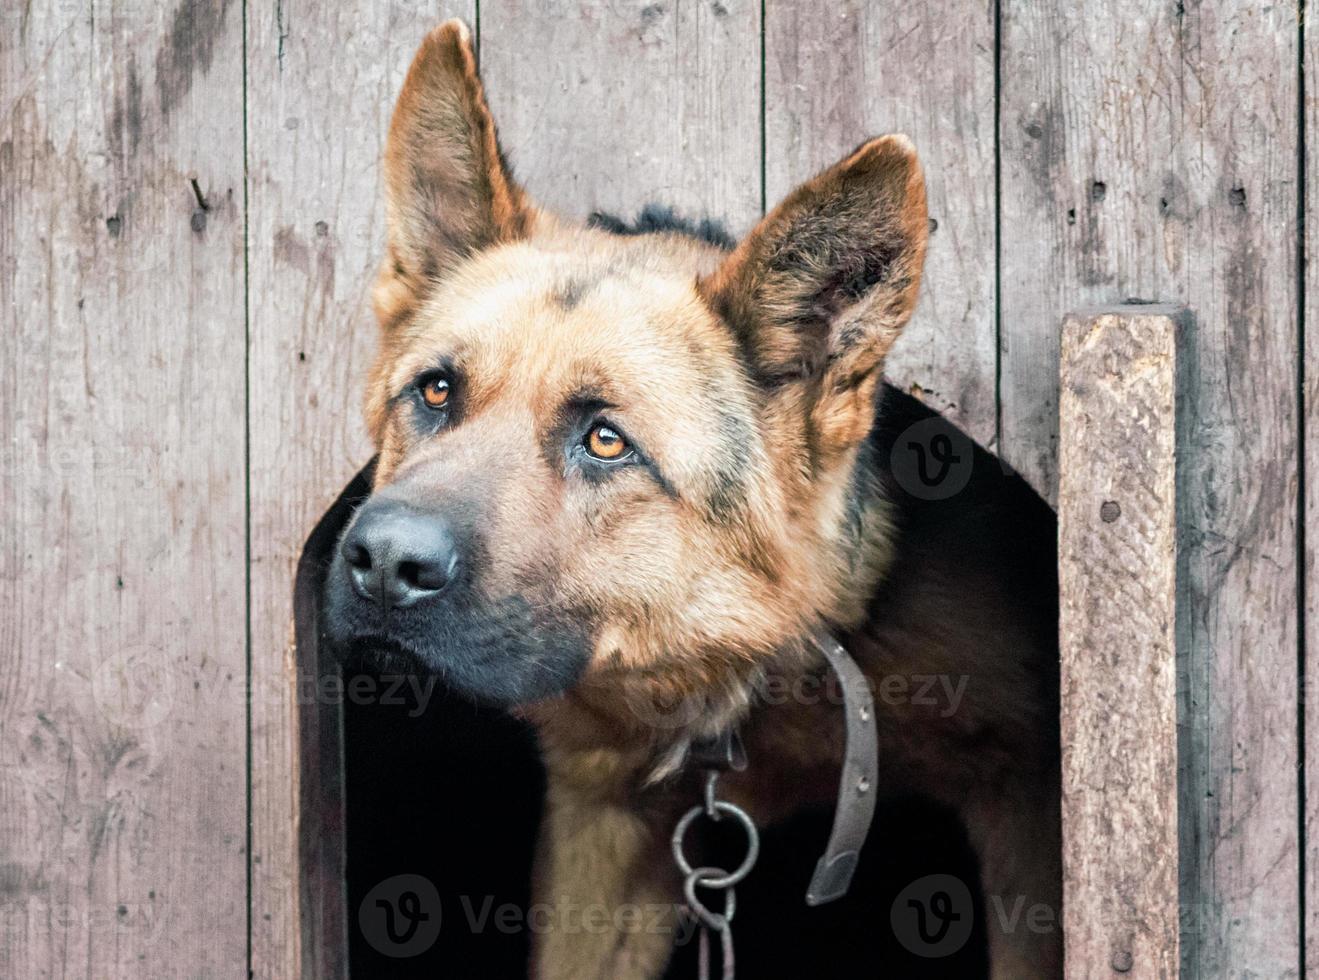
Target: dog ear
449, 191
821, 288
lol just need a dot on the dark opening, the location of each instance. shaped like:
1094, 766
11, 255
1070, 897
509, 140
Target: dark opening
453, 795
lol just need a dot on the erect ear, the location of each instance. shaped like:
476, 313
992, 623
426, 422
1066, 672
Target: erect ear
821, 288
449, 192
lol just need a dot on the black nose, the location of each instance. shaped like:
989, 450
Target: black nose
398, 556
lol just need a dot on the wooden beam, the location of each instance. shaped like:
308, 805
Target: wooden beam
611, 106
1117, 557
123, 814
1309, 515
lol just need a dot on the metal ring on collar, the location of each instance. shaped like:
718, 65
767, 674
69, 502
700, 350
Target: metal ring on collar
753, 844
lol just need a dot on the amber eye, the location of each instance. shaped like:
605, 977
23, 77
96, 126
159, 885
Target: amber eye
435, 392
605, 443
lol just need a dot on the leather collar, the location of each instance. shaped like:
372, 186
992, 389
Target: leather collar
855, 808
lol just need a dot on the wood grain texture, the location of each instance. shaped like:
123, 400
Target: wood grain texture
613, 104
1148, 150
1151, 152
322, 80
838, 74
1310, 503
122, 640
1117, 564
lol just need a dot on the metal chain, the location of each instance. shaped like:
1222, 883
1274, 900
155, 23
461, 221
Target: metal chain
717, 879
712, 922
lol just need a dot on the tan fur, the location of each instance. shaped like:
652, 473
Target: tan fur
750, 381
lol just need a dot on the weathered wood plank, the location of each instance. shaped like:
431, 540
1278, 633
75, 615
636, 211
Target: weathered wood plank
603, 105
322, 80
1117, 565
1151, 152
1310, 503
122, 672
837, 74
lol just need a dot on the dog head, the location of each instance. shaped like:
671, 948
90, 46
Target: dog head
624, 462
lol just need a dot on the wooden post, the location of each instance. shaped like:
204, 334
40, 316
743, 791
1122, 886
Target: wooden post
1117, 557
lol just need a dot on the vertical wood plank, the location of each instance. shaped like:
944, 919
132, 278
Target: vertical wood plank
609, 105
838, 74
322, 79
1150, 151
1117, 565
1309, 705
122, 671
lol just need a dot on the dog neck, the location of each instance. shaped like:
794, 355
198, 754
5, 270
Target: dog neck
865, 543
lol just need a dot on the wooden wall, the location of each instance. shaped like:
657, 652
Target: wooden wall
1151, 153
123, 571
189, 222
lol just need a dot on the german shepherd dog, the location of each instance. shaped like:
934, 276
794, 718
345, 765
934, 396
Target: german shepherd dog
623, 473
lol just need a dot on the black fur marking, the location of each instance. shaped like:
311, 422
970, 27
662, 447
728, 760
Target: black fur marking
656, 219
728, 492
854, 275
854, 282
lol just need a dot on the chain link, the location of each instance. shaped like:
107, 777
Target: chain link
714, 878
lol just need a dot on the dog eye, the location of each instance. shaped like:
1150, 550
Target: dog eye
606, 443
435, 391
